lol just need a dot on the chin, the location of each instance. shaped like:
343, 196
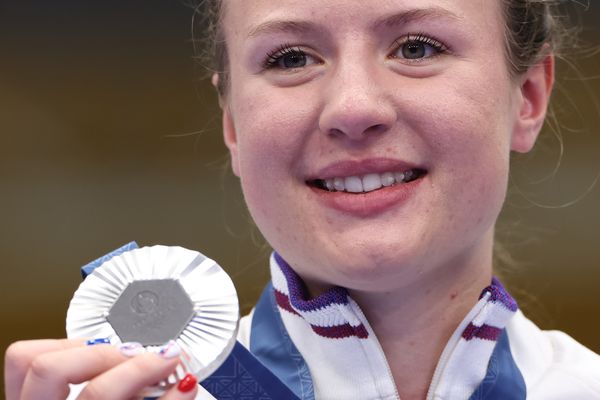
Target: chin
369, 268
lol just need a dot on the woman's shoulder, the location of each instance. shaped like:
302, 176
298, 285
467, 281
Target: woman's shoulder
553, 364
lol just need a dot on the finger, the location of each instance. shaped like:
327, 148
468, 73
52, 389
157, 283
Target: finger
20, 355
127, 379
50, 373
185, 389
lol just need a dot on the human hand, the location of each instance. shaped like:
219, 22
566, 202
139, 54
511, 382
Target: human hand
43, 369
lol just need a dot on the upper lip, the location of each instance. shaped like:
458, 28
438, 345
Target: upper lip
346, 168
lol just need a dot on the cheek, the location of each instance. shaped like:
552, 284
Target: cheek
467, 133
271, 132
472, 128
271, 126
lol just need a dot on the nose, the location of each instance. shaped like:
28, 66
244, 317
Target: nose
357, 103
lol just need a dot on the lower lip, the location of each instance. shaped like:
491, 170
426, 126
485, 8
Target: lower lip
369, 204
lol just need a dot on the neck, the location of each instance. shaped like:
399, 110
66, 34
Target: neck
414, 323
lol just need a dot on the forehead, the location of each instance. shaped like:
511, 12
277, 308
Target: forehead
246, 18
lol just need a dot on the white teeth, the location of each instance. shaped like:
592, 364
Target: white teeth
399, 176
368, 182
353, 184
371, 182
388, 179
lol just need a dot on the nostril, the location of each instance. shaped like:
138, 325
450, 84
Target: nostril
336, 132
379, 128
359, 133
356, 120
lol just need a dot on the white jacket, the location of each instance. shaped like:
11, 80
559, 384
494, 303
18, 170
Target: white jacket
324, 348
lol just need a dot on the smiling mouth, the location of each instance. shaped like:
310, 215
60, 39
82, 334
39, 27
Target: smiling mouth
367, 183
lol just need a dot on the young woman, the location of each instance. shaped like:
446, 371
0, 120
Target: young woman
372, 142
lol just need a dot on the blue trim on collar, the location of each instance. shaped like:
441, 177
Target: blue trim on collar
503, 380
298, 295
271, 344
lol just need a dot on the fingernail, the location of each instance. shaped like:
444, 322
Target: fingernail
93, 342
131, 349
169, 350
187, 384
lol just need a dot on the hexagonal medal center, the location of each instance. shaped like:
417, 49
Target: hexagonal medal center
151, 312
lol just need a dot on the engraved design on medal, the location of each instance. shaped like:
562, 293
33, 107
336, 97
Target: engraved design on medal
144, 302
151, 312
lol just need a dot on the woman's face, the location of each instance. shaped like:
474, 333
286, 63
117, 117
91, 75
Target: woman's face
410, 95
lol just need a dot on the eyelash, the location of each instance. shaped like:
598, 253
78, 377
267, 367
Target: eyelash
274, 57
420, 38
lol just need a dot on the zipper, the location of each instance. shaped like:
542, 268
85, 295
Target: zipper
446, 354
451, 345
361, 317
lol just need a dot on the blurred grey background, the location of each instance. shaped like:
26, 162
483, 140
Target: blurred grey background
108, 134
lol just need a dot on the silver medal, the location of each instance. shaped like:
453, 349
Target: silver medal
155, 294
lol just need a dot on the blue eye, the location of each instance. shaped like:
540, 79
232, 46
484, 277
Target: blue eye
288, 57
418, 47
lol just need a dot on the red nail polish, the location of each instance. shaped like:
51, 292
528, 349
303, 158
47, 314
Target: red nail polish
187, 384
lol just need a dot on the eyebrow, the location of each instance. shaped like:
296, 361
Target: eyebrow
283, 26
389, 21
404, 17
